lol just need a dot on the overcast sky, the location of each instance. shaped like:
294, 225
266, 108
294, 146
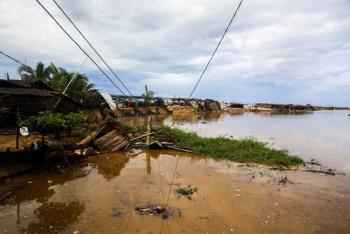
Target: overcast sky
279, 51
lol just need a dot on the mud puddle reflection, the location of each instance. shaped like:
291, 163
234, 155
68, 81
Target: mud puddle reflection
101, 195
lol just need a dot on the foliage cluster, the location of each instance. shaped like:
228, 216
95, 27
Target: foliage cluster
58, 78
49, 123
147, 95
133, 130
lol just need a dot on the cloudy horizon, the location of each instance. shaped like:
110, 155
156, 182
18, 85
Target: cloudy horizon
276, 51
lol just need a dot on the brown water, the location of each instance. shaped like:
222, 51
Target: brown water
100, 196
323, 135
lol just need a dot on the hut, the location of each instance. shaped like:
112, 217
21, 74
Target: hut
23, 100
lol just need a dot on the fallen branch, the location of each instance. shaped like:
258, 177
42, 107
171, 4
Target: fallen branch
328, 172
180, 149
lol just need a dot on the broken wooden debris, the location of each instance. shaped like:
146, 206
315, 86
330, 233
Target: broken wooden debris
314, 162
316, 167
284, 180
140, 137
112, 141
91, 137
161, 211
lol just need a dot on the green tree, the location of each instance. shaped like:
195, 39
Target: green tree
58, 78
40, 72
79, 89
147, 95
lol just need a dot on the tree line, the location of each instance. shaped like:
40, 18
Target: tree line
58, 78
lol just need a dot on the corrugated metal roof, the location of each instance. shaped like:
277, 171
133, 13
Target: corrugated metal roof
24, 91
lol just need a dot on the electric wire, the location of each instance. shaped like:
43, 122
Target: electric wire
92, 47
10, 57
212, 56
77, 44
216, 49
195, 87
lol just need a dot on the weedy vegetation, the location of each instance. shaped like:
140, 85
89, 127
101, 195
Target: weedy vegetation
246, 150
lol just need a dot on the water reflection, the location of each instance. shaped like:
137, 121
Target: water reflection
109, 187
110, 165
322, 135
54, 217
148, 164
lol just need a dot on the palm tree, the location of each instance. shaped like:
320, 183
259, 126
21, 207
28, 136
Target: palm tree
147, 95
78, 89
39, 73
58, 78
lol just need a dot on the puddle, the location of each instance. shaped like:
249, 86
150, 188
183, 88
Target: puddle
101, 195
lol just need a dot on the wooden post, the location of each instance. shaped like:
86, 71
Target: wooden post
17, 129
149, 123
17, 137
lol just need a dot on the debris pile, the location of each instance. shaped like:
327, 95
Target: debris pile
284, 180
161, 211
107, 138
317, 167
186, 191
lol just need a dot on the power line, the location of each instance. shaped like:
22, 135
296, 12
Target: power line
212, 56
200, 78
8, 56
76, 43
92, 47
216, 49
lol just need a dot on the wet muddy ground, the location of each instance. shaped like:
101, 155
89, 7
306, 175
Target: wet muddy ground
102, 194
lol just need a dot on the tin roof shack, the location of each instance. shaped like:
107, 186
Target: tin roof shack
235, 105
22, 101
34, 85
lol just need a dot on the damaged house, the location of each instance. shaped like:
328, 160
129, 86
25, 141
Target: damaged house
20, 99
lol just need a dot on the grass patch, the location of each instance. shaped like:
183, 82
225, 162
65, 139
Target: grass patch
246, 150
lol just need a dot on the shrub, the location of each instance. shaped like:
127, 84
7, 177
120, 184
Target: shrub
49, 123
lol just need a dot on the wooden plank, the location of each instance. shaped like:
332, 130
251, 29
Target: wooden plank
106, 136
113, 139
121, 145
142, 136
90, 137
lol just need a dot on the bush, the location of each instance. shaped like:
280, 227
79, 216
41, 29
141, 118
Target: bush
49, 123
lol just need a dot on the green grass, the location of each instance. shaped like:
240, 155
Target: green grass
246, 150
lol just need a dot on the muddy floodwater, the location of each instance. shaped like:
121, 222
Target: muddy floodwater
101, 195
322, 135
104, 193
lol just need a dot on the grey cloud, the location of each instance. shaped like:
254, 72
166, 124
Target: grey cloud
277, 50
